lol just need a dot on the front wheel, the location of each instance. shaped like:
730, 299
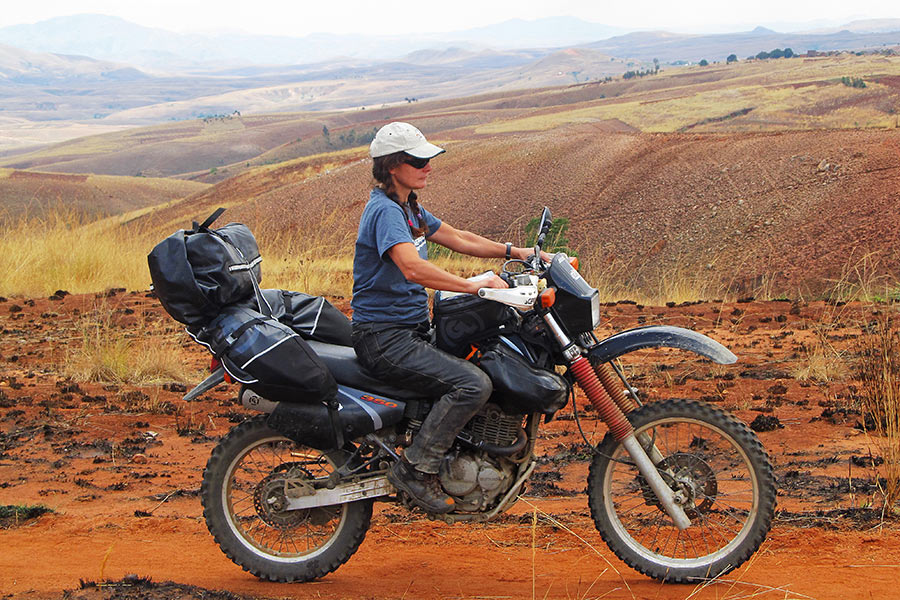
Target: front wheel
720, 474
244, 503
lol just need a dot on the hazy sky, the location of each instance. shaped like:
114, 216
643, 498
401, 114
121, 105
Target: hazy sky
300, 17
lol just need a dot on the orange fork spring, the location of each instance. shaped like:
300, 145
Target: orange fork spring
613, 387
593, 388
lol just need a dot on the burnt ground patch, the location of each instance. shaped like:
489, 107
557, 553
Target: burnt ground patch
544, 483
13, 515
132, 587
795, 483
838, 518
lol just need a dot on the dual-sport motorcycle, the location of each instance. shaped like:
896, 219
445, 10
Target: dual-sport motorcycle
679, 490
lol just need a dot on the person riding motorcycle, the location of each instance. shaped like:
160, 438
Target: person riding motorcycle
390, 325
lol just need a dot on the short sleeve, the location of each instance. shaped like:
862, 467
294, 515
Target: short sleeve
390, 229
431, 221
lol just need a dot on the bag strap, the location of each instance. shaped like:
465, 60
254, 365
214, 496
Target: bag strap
264, 307
234, 336
261, 303
209, 220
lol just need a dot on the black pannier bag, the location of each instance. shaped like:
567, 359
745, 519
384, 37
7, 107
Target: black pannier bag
196, 272
313, 317
521, 388
267, 356
463, 318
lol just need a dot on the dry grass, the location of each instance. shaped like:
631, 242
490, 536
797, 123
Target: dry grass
64, 250
878, 372
863, 279
67, 250
110, 349
822, 361
651, 284
780, 92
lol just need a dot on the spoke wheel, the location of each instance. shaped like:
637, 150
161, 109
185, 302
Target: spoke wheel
720, 475
245, 497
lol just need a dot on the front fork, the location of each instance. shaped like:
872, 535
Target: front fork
618, 423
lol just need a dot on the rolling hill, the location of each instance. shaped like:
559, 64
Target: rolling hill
759, 177
85, 197
782, 94
53, 92
738, 211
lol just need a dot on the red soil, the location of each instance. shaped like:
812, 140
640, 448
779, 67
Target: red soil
89, 452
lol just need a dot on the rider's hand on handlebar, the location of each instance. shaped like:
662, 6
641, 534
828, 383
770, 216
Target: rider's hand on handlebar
493, 282
526, 254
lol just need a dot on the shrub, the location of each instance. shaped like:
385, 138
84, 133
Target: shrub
555, 240
855, 82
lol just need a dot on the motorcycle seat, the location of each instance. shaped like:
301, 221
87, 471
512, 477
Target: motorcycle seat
341, 361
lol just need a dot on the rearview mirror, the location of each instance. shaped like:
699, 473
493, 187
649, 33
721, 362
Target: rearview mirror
546, 221
544, 228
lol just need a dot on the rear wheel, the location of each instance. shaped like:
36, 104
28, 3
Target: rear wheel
244, 503
721, 477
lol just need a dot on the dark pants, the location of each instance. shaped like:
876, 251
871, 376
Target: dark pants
403, 355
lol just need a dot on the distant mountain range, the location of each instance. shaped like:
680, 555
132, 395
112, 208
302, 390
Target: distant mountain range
113, 38
670, 47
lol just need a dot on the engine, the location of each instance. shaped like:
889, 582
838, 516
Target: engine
474, 478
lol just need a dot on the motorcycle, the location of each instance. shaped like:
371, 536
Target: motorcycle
679, 490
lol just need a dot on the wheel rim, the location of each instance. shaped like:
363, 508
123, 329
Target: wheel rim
701, 460
253, 499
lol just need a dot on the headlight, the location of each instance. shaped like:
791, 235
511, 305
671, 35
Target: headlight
595, 310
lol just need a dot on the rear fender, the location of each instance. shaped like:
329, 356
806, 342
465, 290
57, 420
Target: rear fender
660, 336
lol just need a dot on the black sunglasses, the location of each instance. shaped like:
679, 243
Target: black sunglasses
416, 163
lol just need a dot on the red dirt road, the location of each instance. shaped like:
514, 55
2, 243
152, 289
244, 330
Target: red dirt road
99, 460
419, 559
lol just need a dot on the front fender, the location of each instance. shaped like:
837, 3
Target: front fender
656, 336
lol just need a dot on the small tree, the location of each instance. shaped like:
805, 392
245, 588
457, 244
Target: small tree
788, 53
704, 63
731, 58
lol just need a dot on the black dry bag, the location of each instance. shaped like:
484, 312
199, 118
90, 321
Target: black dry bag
198, 271
267, 356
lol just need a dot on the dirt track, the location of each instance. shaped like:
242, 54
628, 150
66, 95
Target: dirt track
123, 481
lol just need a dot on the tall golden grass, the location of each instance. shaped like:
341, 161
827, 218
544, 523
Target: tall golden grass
653, 284
63, 249
67, 250
863, 279
879, 375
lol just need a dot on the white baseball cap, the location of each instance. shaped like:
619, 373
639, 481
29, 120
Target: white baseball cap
402, 137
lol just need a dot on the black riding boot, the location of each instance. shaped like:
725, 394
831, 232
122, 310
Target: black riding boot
424, 488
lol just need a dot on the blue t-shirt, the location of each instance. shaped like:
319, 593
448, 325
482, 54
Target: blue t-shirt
380, 291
